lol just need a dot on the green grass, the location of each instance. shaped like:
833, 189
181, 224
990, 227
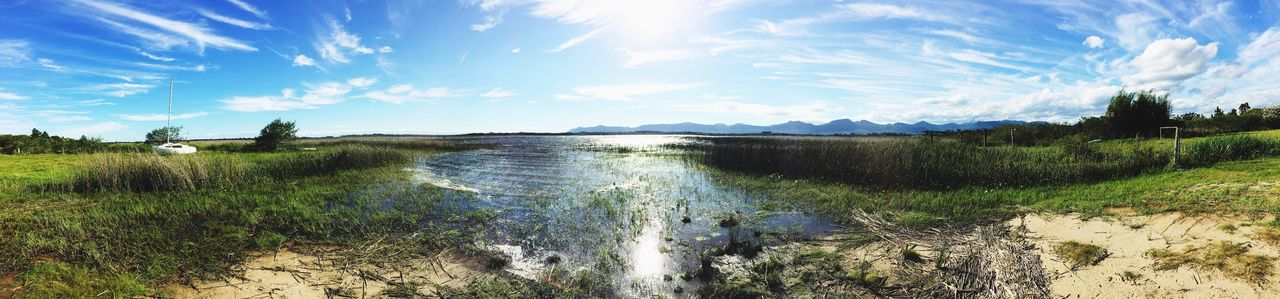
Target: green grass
124, 241
1231, 186
1248, 186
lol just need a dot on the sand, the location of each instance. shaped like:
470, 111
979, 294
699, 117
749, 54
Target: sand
317, 273
1128, 238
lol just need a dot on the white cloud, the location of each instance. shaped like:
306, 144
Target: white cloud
515, 50
48, 63
1167, 62
120, 89
151, 39
159, 117
303, 60
385, 49
317, 95
249, 8
361, 82
712, 96
889, 11
624, 92
402, 93
489, 22
336, 47
13, 51
9, 96
577, 40
1265, 46
199, 34
1094, 42
817, 111
234, 21
163, 67
156, 57
95, 102
636, 58
1135, 30
498, 93
93, 129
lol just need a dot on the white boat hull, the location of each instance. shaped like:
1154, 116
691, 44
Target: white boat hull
174, 149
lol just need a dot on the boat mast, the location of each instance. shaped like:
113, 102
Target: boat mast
168, 128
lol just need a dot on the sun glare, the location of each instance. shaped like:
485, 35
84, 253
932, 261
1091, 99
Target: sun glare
655, 17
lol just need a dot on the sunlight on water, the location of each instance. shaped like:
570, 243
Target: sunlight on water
611, 204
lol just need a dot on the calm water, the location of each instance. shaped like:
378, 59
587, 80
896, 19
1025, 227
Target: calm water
611, 204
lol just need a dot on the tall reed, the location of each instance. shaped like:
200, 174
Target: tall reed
1223, 148
927, 164
153, 173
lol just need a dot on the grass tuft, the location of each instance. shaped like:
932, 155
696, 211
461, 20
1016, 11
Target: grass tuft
1079, 255
1231, 259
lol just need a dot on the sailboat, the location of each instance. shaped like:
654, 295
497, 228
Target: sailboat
169, 147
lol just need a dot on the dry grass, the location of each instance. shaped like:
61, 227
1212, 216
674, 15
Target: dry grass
1078, 254
1271, 235
1231, 259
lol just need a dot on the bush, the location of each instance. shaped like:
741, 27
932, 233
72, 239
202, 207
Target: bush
275, 134
1224, 148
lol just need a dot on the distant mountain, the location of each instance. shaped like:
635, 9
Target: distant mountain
839, 126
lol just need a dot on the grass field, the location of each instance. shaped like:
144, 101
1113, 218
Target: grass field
126, 241
1247, 186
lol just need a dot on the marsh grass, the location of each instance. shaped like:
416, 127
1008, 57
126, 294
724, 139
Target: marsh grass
1230, 259
922, 163
1215, 149
1078, 255
155, 173
120, 225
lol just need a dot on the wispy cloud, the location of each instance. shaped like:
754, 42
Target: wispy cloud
199, 34
233, 21
49, 64
156, 57
166, 67
9, 96
361, 82
159, 117
316, 95
92, 129
303, 60
95, 102
13, 51
624, 92
339, 44
498, 92
119, 89
578, 40
402, 93
249, 8
637, 58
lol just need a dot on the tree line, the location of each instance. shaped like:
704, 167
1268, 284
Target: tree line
1129, 114
276, 134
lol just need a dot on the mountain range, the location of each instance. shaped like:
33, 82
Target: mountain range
839, 126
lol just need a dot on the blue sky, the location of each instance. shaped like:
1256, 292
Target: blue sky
101, 67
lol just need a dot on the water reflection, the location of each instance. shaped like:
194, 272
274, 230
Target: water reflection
620, 205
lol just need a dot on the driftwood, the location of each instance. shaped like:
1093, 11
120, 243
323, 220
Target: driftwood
989, 260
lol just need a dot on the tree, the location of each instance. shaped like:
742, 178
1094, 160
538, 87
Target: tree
161, 135
1134, 113
1244, 108
1217, 112
275, 134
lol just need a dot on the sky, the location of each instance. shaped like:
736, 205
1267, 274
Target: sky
102, 67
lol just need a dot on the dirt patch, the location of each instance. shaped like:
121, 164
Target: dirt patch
1129, 271
319, 272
